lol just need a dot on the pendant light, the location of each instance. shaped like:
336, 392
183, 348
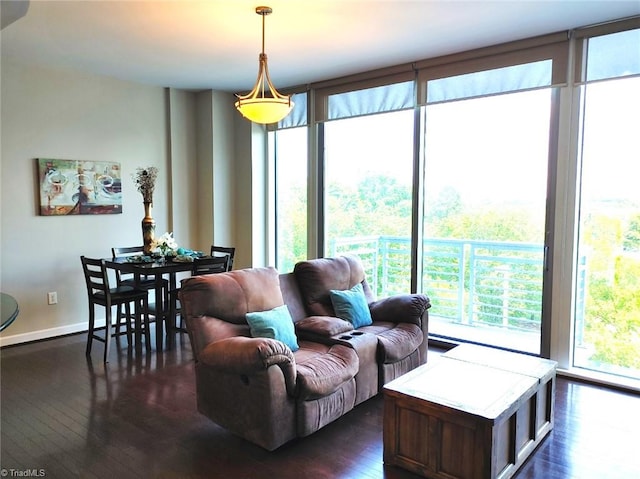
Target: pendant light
255, 106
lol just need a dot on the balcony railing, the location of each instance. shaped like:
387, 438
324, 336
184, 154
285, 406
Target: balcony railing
470, 282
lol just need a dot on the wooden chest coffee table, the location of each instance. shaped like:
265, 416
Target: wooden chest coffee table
473, 413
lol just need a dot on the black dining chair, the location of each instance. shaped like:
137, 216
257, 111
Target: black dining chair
211, 265
147, 283
128, 279
230, 252
206, 265
99, 293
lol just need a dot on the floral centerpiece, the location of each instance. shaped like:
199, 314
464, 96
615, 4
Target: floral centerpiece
166, 244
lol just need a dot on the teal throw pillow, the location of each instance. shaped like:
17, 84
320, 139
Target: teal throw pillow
275, 324
351, 305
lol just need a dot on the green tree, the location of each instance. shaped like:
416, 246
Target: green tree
292, 233
613, 319
489, 223
448, 203
632, 235
376, 205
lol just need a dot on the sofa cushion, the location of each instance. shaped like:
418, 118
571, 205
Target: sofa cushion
291, 296
317, 277
351, 305
322, 369
275, 323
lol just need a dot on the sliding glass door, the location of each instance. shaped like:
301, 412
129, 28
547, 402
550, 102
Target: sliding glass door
486, 162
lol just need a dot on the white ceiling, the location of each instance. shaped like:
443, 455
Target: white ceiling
215, 44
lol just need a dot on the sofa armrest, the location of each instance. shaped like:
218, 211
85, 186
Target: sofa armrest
246, 356
400, 308
322, 326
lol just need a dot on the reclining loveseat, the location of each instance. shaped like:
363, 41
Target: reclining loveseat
279, 356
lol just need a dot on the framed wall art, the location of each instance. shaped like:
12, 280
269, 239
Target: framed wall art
79, 187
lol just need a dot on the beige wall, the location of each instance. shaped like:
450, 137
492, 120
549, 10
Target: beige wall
56, 114
251, 186
183, 155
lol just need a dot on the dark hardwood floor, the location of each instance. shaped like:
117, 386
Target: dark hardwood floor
64, 416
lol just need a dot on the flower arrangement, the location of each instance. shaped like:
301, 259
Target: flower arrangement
145, 180
166, 244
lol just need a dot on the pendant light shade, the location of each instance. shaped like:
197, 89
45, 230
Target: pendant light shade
264, 104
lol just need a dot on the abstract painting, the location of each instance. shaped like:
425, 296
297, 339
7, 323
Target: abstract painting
79, 187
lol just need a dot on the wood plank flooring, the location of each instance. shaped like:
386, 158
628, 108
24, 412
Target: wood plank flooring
64, 416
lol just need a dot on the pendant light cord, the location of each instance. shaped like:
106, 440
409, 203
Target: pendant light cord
263, 19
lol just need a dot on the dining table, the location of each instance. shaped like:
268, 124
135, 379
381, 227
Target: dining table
10, 310
157, 268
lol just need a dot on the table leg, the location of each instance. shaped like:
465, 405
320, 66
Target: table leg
171, 311
160, 312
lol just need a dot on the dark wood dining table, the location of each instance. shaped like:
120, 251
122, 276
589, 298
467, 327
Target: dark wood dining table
164, 313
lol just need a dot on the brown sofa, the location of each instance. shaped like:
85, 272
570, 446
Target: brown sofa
257, 387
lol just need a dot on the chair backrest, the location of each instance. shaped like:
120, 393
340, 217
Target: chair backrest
96, 277
123, 252
317, 277
230, 252
210, 265
127, 251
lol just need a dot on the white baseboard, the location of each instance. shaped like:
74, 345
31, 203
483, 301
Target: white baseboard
47, 333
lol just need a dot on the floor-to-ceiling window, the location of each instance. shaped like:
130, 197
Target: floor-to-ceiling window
368, 171
366, 168
607, 313
288, 147
458, 178
484, 220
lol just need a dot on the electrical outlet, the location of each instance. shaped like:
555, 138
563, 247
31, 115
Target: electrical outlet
52, 297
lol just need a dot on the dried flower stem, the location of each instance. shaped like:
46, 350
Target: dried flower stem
145, 180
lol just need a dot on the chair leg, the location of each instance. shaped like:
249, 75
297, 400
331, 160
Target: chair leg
118, 320
107, 334
171, 319
127, 317
92, 316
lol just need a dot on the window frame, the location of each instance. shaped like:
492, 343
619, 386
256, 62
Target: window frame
567, 48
